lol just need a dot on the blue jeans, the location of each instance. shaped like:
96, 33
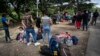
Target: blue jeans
34, 35
48, 32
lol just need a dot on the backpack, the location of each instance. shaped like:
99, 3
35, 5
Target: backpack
75, 40
53, 44
45, 50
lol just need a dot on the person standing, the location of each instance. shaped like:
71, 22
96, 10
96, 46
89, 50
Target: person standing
85, 20
38, 22
46, 24
73, 19
58, 17
78, 20
54, 18
6, 27
28, 25
95, 16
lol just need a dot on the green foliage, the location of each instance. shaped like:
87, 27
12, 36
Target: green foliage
45, 5
85, 6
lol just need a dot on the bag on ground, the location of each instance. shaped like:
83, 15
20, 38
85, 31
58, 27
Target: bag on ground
45, 50
75, 40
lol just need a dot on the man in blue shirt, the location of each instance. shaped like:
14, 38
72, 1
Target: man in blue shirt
5, 26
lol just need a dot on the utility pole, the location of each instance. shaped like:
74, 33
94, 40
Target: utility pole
37, 4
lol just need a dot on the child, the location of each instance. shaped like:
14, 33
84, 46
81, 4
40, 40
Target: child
21, 34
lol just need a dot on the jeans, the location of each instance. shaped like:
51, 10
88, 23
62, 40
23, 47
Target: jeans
7, 35
46, 31
34, 35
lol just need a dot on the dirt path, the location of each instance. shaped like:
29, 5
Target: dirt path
19, 49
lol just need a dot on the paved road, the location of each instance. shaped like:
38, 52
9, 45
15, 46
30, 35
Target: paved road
93, 48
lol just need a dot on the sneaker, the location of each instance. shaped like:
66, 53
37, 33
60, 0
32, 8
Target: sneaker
28, 43
37, 43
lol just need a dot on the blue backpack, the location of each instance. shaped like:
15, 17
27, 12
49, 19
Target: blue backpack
75, 40
53, 44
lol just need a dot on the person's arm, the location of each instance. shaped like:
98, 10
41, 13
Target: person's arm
50, 21
33, 22
23, 23
41, 22
31, 18
6, 21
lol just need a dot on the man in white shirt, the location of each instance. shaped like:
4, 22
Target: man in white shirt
46, 24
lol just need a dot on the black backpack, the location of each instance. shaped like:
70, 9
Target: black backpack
45, 50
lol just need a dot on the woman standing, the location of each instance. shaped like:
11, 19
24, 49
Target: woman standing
78, 20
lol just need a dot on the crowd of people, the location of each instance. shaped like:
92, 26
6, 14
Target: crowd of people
81, 19
27, 29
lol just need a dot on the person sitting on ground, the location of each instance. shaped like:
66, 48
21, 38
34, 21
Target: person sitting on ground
22, 34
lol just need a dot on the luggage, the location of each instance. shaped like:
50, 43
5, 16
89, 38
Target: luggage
69, 42
75, 40
52, 49
53, 44
45, 50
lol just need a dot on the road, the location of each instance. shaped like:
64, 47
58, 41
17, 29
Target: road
93, 48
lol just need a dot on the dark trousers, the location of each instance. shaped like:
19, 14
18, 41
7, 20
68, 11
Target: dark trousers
94, 20
54, 21
85, 25
7, 35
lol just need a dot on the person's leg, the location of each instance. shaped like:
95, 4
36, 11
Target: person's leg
27, 35
76, 24
79, 24
6, 36
86, 26
92, 21
34, 35
95, 21
49, 34
44, 34
83, 26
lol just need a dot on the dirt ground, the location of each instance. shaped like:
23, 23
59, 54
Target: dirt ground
16, 48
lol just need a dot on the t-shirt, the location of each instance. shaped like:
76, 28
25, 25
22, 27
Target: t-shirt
46, 22
27, 21
95, 14
85, 17
4, 20
78, 17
